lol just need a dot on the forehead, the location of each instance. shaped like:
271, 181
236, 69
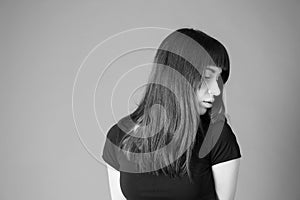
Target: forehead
213, 69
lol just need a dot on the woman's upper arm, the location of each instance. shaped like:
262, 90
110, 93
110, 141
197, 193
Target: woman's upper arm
114, 184
225, 177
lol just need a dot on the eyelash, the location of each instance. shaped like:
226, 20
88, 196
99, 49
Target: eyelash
209, 77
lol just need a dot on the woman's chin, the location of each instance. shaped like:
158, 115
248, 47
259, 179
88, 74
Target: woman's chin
202, 110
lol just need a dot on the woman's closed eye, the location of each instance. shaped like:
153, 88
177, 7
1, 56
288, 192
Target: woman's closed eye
210, 77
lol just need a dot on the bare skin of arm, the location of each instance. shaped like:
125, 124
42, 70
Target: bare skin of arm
114, 184
226, 177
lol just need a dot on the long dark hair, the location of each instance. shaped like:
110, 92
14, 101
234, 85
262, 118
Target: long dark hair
161, 131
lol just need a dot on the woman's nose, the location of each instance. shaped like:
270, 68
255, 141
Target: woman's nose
214, 89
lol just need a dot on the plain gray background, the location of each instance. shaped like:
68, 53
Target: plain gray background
43, 44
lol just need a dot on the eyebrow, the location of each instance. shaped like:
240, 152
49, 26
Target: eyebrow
212, 70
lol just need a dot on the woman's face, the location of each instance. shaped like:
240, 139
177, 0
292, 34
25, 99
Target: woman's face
209, 88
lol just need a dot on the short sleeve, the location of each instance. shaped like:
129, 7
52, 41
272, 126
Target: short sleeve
226, 148
110, 149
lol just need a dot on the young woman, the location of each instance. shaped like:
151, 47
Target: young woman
177, 144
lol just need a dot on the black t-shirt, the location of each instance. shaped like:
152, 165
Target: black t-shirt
150, 187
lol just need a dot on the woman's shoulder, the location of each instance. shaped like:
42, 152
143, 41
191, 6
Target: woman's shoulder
118, 130
115, 134
217, 133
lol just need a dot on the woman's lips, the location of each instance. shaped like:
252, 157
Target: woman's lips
206, 104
